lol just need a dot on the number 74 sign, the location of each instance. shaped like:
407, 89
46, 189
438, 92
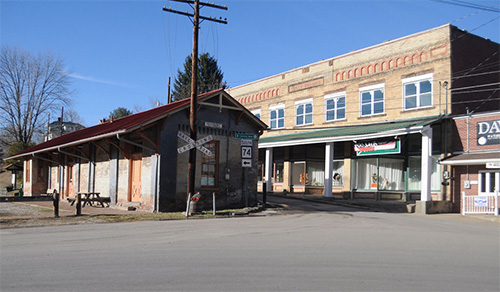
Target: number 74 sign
246, 152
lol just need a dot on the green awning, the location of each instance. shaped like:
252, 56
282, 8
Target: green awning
349, 133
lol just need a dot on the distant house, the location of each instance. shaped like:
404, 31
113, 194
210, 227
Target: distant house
58, 128
138, 160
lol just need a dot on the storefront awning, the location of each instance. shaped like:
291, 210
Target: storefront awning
349, 133
481, 158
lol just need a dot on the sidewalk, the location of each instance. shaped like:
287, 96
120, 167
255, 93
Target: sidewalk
376, 206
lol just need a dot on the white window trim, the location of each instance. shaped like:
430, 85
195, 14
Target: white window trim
334, 96
415, 79
487, 182
371, 88
273, 108
303, 102
257, 112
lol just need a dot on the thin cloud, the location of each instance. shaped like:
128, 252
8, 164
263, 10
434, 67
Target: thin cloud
92, 79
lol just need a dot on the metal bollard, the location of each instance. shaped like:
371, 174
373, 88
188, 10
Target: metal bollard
78, 205
213, 202
55, 198
264, 194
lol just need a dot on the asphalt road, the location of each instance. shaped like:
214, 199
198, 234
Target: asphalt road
311, 247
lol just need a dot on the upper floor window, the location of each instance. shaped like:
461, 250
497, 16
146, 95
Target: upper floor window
304, 112
256, 113
335, 106
372, 100
277, 116
417, 92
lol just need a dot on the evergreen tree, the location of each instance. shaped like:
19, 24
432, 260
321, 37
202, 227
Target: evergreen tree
210, 77
120, 112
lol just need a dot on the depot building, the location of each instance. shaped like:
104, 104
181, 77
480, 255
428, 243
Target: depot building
141, 160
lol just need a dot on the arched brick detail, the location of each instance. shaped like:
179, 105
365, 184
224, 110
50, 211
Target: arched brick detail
399, 62
349, 74
356, 72
383, 66
344, 75
407, 60
415, 58
338, 76
423, 54
363, 70
261, 95
277, 91
268, 93
391, 64
273, 93
376, 67
369, 69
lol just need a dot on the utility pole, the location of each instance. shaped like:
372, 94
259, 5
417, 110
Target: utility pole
193, 121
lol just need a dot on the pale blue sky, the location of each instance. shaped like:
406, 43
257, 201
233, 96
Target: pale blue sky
121, 53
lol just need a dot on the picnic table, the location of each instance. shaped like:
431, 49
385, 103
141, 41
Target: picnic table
88, 198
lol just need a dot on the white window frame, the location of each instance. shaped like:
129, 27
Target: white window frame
372, 89
257, 112
487, 182
276, 108
416, 80
304, 114
335, 97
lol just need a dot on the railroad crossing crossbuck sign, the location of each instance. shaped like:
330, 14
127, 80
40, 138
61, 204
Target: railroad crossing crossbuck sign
191, 144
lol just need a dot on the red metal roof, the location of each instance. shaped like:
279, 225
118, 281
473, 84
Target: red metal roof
111, 128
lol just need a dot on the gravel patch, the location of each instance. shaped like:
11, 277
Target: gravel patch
18, 209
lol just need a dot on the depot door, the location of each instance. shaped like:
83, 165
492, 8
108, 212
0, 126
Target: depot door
70, 189
135, 178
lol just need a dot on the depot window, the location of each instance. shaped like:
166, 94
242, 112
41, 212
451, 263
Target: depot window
210, 166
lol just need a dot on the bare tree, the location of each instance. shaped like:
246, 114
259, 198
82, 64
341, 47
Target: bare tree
30, 88
73, 116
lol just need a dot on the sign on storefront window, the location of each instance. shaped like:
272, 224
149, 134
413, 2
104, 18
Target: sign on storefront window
378, 148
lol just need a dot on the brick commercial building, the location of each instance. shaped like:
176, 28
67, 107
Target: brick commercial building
374, 123
138, 160
475, 163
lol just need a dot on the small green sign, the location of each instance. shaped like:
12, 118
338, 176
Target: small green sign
247, 136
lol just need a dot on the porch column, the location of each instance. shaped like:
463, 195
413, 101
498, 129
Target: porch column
328, 169
426, 164
269, 169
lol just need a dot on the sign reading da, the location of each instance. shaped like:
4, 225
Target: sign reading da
488, 133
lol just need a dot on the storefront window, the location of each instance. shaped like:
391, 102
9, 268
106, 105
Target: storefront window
278, 172
415, 173
298, 173
316, 173
391, 174
365, 174
338, 173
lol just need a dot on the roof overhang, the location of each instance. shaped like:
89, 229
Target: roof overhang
73, 143
477, 158
350, 133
